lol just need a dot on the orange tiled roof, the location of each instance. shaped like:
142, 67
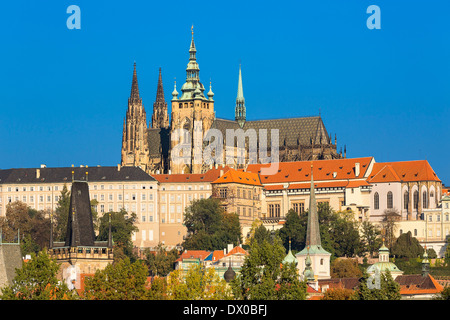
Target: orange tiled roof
386, 174
217, 255
416, 284
243, 177
322, 170
208, 176
194, 254
237, 250
418, 170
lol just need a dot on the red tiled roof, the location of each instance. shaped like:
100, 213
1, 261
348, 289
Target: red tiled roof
243, 177
237, 250
419, 170
194, 254
322, 170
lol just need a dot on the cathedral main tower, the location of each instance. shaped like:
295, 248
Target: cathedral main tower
192, 115
135, 150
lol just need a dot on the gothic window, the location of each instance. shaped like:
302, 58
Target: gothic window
376, 201
390, 200
416, 199
405, 200
424, 200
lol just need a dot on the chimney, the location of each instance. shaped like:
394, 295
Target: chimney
357, 169
221, 173
334, 174
38, 173
118, 167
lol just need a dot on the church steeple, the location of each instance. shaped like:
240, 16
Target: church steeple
240, 102
134, 96
312, 231
160, 118
193, 88
134, 136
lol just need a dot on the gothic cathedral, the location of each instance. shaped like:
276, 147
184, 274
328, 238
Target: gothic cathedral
192, 115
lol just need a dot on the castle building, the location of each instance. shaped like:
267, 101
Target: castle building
177, 145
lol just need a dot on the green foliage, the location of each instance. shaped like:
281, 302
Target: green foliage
161, 263
209, 227
61, 215
444, 295
121, 280
388, 290
406, 246
122, 227
345, 268
37, 280
338, 232
263, 278
370, 238
32, 224
198, 284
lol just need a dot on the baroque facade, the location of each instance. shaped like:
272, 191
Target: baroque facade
160, 146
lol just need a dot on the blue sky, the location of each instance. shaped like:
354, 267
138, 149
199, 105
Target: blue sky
385, 93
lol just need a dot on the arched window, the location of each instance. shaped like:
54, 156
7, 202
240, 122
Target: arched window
424, 200
376, 201
405, 200
390, 200
416, 199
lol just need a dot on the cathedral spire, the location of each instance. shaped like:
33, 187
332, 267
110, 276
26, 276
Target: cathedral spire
240, 102
160, 89
160, 118
134, 96
312, 231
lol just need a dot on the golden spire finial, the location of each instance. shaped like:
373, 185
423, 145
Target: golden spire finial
192, 29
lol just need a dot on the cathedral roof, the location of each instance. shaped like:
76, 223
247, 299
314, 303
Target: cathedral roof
292, 131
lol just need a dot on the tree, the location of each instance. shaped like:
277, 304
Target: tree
199, 283
61, 215
161, 263
370, 236
122, 227
390, 218
345, 268
33, 226
344, 235
388, 289
338, 294
294, 229
209, 227
121, 280
444, 295
407, 246
262, 277
37, 280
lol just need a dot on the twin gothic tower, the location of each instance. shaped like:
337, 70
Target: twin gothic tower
154, 147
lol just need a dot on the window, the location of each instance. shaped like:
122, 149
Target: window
416, 199
390, 200
376, 201
424, 200
415, 232
298, 207
405, 200
274, 210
